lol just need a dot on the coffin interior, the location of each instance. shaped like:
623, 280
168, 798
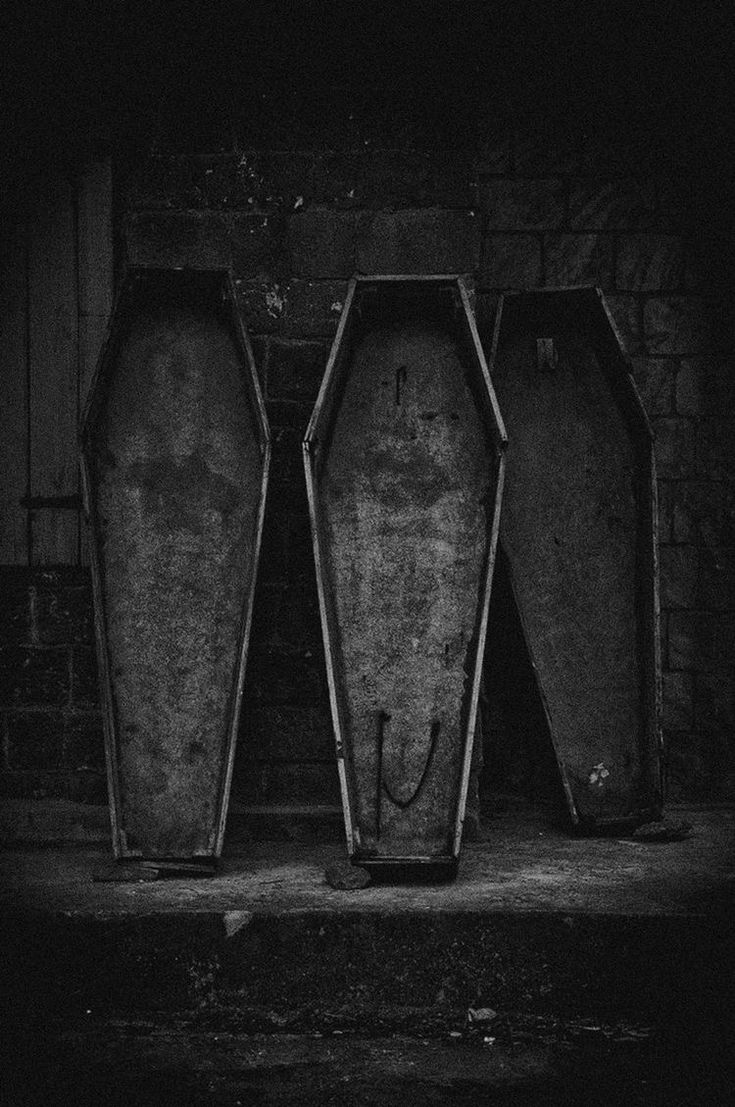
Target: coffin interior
406, 487
174, 467
577, 532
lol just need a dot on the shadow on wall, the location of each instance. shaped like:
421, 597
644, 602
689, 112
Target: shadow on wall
519, 764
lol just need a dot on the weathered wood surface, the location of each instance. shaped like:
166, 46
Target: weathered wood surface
578, 531
176, 448
405, 496
14, 395
53, 351
55, 296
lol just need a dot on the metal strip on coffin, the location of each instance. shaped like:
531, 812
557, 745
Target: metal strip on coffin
175, 456
404, 469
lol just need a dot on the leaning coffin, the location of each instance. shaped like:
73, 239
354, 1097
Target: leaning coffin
404, 467
175, 452
579, 532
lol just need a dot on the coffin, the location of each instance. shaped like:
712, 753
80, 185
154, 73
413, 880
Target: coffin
175, 452
404, 470
579, 530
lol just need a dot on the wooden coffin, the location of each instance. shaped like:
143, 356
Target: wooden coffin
579, 530
175, 453
404, 469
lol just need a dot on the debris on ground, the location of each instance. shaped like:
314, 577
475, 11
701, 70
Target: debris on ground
663, 830
346, 877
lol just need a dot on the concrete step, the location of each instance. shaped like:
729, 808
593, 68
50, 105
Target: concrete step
537, 922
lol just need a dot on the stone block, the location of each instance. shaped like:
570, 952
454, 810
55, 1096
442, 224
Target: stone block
15, 611
84, 742
341, 178
571, 259
255, 245
262, 305
394, 178
511, 261
649, 263
430, 240
284, 179
703, 512
288, 732
85, 689
679, 569
452, 180
655, 378
685, 325
716, 582
678, 699
186, 184
674, 447
716, 447
201, 240
63, 611
714, 701
706, 386
611, 205
295, 370
313, 308
321, 243
34, 676
703, 641
522, 205
35, 740
390, 178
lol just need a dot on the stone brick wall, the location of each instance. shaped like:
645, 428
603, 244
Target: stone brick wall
511, 214
50, 721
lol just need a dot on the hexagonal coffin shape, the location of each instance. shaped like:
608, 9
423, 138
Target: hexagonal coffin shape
404, 471
175, 452
579, 532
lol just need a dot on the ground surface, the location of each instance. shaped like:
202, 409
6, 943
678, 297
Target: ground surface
553, 971
523, 864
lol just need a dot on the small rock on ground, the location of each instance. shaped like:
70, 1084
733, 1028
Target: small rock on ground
346, 877
664, 830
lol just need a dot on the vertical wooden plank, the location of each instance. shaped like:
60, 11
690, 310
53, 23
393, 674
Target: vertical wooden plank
13, 396
95, 279
94, 237
53, 372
